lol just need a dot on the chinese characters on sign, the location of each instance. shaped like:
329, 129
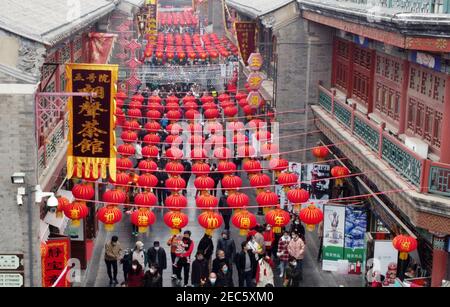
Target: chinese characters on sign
54, 263
152, 28
246, 35
91, 119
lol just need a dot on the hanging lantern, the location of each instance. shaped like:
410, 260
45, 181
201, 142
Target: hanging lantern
246, 151
226, 168
129, 136
211, 114
174, 129
198, 154
252, 167
222, 153
311, 216
124, 164
260, 181
131, 125
267, 199
238, 200
176, 202
114, 196
210, 220
240, 139
147, 180
76, 211
192, 115
147, 166
62, 203
122, 180
244, 220
231, 183
153, 115
200, 169
134, 113
145, 199
320, 152
126, 150
109, 216
230, 111
152, 127
269, 149
278, 165
176, 220
83, 191
174, 153
404, 244
277, 218
143, 218
150, 151
152, 139
206, 201
204, 184
287, 180
174, 168
339, 173
297, 197
174, 115
175, 184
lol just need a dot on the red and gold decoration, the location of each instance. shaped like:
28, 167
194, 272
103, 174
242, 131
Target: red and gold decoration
91, 118
244, 220
404, 244
62, 203
278, 165
109, 215
231, 182
287, 180
267, 199
246, 38
142, 219
277, 218
76, 211
204, 184
83, 191
238, 201
260, 181
145, 199
311, 216
57, 252
339, 173
320, 152
297, 197
176, 221
176, 202
210, 220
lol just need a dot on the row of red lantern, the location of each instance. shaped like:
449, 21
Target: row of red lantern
177, 19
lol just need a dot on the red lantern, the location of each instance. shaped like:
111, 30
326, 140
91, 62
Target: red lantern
62, 203
126, 150
200, 169
152, 127
175, 184
83, 191
147, 166
311, 216
129, 136
206, 202
404, 244
211, 113
176, 202
246, 151
153, 115
134, 113
147, 180
210, 220
173, 115
192, 114
231, 183
122, 179
176, 220
131, 125
226, 168
278, 165
204, 183
222, 153
320, 152
252, 167
124, 164
230, 111
114, 197
268, 149
174, 153
76, 211
143, 218
152, 139
145, 199
277, 218
150, 151
238, 200
109, 216
260, 182
287, 180
244, 220
267, 199
174, 168
297, 197
198, 154
339, 173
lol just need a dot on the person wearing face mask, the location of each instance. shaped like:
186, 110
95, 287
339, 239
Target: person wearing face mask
293, 274
152, 278
259, 237
283, 253
246, 265
113, 252
184, 262
206, 246
255, 248
211, 282
220, 258
224, 276
157, 255
139, 254
227, 245
296, 249
298, 228
200, 270
136, 275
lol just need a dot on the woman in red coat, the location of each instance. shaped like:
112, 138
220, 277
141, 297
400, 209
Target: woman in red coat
269, 238
136, 275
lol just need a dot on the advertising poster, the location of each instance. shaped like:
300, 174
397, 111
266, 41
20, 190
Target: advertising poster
283, 199
333, 239
385, 253
296, 168
355, 229
315, 180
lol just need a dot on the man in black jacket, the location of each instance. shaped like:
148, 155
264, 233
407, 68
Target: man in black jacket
217, 177
206, 246
246, 265
161, 191
220, 258
226, 213
227, 245
186, 175
200, 270
157, 256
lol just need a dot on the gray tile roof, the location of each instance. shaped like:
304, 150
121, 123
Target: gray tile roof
257, 8
49, 21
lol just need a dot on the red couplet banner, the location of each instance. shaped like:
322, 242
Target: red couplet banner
246, 37
55, 261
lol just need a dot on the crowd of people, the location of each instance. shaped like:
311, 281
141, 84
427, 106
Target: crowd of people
262, 255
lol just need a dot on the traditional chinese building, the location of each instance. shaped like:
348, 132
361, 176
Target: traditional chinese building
38, 38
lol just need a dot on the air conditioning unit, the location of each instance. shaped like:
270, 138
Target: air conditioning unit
417, 145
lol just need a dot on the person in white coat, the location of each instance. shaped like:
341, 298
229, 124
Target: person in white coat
264, 272
140, 255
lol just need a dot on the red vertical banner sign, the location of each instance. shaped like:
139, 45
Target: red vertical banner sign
246, 38
54, 263
152, 24
100, 47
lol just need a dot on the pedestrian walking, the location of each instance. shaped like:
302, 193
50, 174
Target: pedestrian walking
161, 187
226, 244
264, 272
186, 175
216, 176
320, 235
246, 265
200, 270
220, 258
184, 263
206, 246
113, 252
283, 253
293, 274
296, 249
224, 276
174, 243
157, 256
225, 211
126, 263
136, 275
297, 227
140, 255
153, 277
211, 282
269, 238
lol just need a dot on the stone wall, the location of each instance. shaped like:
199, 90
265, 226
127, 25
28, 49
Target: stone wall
304, 53
19, 153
